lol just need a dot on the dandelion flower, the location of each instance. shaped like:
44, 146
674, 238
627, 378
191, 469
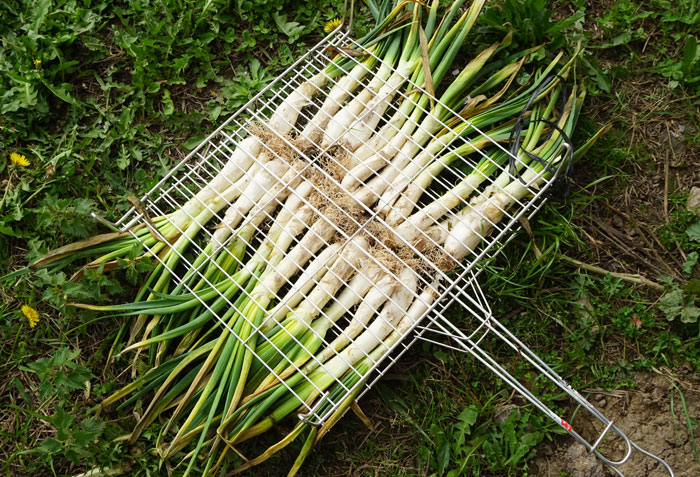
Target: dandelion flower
31, 314
19, 159
332, 25
37, 63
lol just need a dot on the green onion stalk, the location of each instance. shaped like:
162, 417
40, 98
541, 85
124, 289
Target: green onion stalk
503, 196
236, 355
300, 333
435, 57
417, 222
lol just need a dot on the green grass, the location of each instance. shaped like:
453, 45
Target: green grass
104, 97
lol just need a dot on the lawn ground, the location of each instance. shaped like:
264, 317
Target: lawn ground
102, 98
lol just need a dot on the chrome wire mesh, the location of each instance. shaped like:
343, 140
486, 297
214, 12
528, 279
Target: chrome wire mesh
355, 250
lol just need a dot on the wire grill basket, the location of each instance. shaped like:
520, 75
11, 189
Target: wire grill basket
356, 242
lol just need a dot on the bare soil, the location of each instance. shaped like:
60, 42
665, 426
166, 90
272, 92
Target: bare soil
652, 416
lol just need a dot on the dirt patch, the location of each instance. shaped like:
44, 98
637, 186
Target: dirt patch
653, 417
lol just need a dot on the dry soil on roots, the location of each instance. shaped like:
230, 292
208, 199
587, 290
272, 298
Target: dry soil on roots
645, 414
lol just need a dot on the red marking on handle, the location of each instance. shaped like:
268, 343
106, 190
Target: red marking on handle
566, 425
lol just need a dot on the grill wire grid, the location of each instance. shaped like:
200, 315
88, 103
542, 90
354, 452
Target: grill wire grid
435, 289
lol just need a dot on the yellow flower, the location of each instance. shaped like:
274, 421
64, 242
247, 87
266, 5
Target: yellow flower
332, 25
37, 63
19, 159
31, 314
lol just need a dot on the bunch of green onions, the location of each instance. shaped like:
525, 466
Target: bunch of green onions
255, 330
